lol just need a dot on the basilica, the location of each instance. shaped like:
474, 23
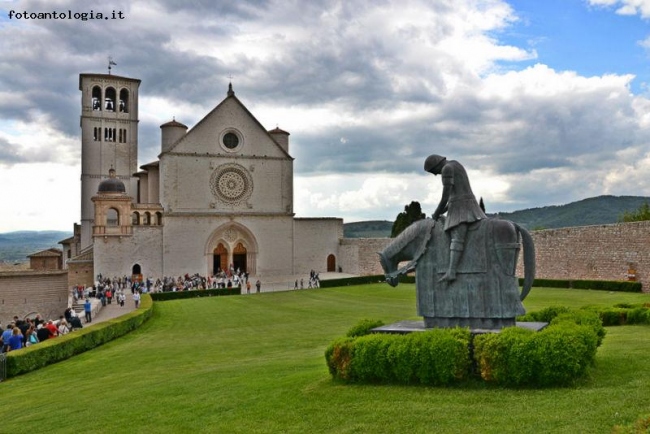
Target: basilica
218, 197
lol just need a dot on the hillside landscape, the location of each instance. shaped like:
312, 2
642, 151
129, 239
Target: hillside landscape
593, 211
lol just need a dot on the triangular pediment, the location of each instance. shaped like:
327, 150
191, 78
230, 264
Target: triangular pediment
229, 129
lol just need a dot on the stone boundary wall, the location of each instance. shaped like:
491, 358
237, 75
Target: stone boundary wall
359, 255
28, 291
599, 252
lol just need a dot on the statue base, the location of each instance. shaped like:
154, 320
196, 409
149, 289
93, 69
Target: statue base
403, 327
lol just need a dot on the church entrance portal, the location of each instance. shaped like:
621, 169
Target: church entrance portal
219, 259
239, 257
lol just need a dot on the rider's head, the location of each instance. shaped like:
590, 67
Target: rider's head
433, 164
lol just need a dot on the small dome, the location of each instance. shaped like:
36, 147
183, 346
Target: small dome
112, 184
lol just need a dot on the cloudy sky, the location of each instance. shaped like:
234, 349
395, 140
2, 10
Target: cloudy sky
544, 102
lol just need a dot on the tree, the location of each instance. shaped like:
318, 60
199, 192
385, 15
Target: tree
412, 213
641, 214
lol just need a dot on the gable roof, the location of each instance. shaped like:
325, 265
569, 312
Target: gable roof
231, 96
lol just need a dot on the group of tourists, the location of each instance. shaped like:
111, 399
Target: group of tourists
20, 333
314, 281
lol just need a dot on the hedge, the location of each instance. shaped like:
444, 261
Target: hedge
194, 293
558, 355
63, 347
602, 285
435, 357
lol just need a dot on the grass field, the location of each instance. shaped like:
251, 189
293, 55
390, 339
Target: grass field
255, 364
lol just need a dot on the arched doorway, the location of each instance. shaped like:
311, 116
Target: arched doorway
331, 263
136, 273
219, 259
239, 257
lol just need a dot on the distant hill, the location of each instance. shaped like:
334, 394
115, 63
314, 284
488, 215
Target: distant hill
16, 246
593, 211
368, 229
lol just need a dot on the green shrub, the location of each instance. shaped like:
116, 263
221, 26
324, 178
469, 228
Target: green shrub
55, 350
613, 316
638, 315
564, 354
371, 362
544, 315
364, 327
555, 356
338, 356
434, 357
602, 285
583, 317
177, 295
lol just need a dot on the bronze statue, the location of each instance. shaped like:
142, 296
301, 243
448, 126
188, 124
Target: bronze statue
464, 262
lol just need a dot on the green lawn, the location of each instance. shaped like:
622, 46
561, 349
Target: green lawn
255, 364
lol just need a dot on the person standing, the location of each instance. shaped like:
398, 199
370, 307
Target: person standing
88, 310
258, 285
248, 287
136, 298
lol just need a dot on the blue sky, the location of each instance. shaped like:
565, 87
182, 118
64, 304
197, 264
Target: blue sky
572, 35
545, 102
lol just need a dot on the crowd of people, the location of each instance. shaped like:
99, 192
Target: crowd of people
21, 333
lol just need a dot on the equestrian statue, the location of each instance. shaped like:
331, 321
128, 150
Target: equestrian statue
464, 262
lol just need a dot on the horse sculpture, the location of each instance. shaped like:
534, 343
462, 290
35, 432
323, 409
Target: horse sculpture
485, 294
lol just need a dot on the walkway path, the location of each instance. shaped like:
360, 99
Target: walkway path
275, 284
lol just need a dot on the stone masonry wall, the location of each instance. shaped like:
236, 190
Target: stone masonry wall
600, 252
27, 292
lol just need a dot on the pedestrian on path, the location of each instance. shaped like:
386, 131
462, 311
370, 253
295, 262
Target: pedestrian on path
136, 298
88, 311
258, 285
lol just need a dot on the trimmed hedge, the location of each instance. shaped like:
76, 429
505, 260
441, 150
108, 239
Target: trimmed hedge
63, 347
435, 357
362, 280
556, 356
194, 293
599, 285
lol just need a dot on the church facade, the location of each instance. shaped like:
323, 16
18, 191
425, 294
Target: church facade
219, 196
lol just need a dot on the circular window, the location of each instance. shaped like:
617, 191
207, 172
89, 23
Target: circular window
232, 184
230, 140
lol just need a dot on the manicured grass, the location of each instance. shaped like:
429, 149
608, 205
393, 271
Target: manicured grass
255, 364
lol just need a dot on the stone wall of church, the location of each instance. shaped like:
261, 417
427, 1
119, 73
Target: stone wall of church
29, 292
116, 256
315, 240
189, 242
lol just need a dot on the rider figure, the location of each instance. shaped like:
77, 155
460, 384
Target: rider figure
459, 203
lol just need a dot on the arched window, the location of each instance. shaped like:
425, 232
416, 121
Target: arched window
97, 134
124, 101
97, 98
112, 217
159, 218
110, 99
135, 219
146, 218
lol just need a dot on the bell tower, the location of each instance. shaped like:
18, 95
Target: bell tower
109, 139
